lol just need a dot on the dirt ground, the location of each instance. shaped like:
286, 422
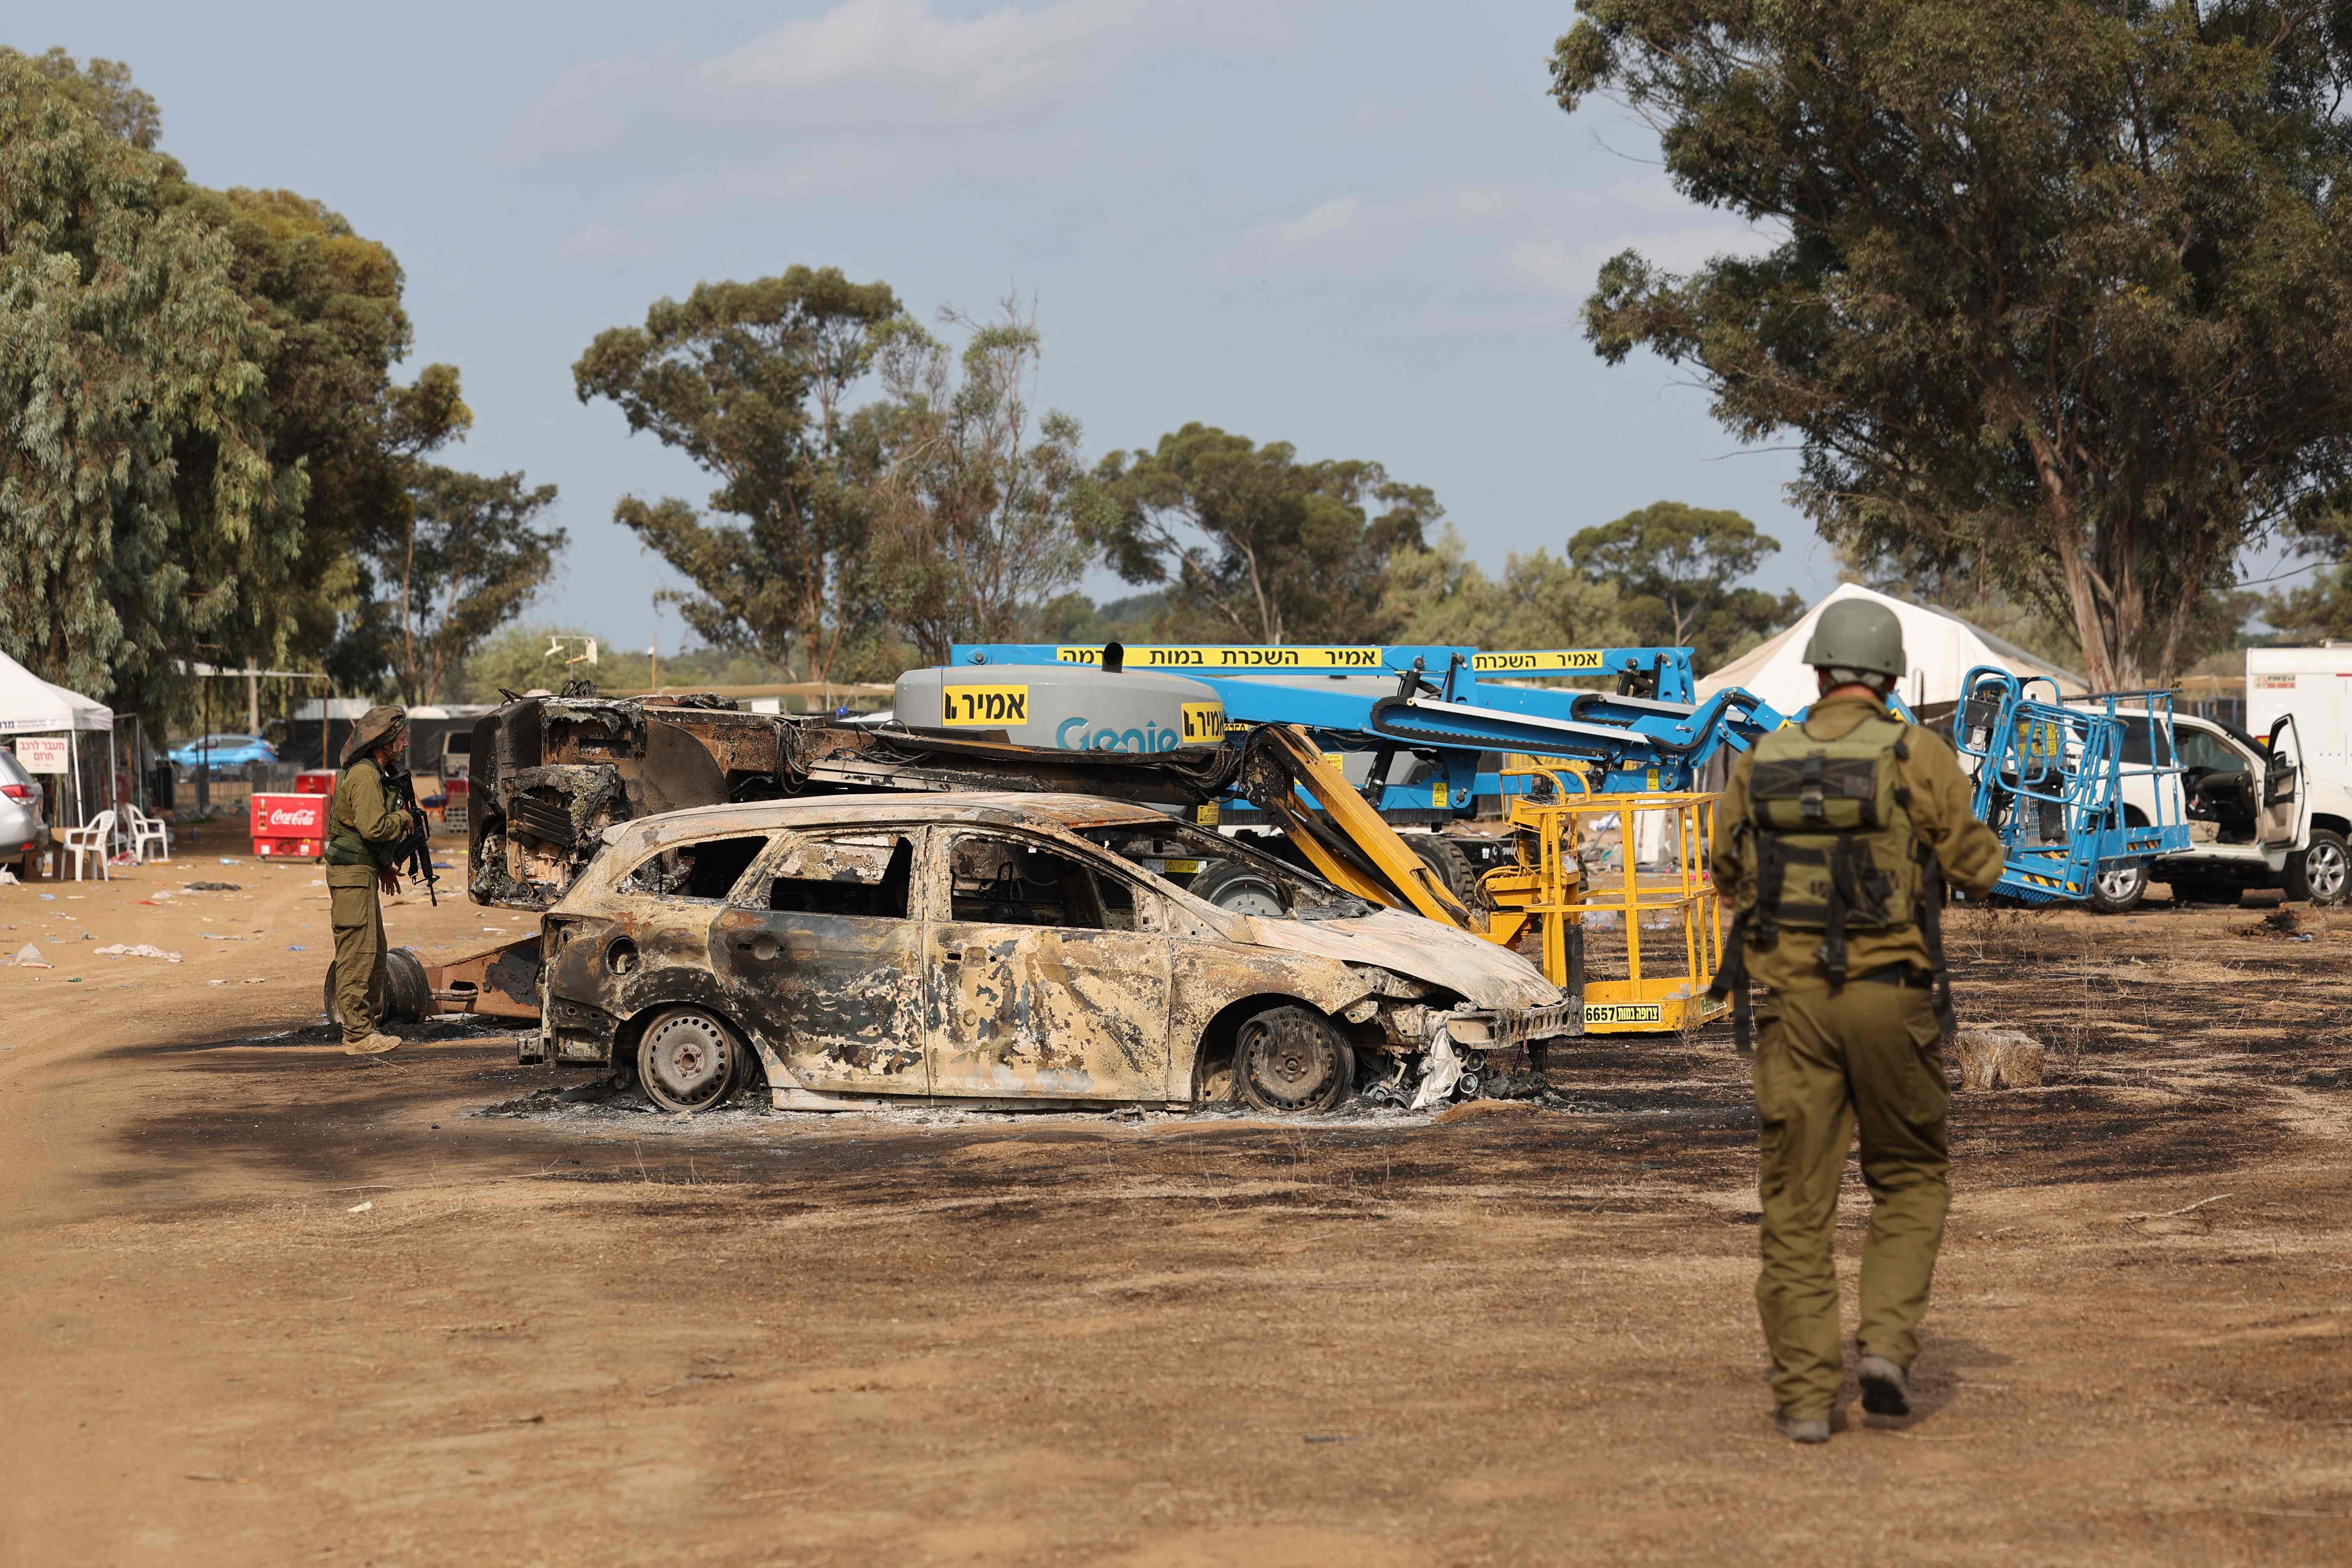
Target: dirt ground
266, 1303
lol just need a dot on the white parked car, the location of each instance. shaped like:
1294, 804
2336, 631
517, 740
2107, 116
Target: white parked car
20, 806
2257, 817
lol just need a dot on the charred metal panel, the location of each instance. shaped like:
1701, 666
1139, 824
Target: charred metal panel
827, 979
1072, 1015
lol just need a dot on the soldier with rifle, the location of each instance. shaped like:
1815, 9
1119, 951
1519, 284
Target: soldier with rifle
372, 827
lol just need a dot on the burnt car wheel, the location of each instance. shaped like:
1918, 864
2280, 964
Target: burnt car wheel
1291, 1058
688, 1061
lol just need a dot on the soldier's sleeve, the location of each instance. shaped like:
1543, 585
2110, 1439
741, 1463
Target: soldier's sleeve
375, 818
1730, 869
1943, 810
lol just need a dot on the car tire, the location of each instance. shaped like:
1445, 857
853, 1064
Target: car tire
407, 995
1239, 888
689, 1060
2321, 873
2113, 892
1290, 1059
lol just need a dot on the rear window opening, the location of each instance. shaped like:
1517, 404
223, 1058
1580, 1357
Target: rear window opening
705, 870
864, 875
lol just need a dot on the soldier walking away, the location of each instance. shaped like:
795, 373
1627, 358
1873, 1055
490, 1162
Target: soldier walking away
364, 830
1834, 839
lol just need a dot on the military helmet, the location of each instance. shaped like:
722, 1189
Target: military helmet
1856, 634
374, 726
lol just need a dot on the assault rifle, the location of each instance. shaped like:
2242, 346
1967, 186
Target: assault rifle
415, 850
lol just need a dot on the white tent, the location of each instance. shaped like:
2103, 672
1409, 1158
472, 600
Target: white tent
1941, 648
31, 706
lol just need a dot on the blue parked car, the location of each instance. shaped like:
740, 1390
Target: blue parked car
224, 752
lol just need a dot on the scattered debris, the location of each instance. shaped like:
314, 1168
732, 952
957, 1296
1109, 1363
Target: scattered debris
1998, 1058
29, 957
2171, 1214
144, 950
215, 886
360, 1208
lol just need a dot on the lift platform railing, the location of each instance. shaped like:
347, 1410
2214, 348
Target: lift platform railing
2051, 779
1546, 894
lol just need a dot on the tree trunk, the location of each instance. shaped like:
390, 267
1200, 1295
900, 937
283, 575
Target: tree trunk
2058, 502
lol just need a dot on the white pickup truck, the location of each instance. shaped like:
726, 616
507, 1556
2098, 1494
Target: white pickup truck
2257, 815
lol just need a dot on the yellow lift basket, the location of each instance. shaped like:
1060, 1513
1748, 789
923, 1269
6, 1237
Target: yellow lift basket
1669, 965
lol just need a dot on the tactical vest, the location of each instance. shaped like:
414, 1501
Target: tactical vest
345, 846
1833, 849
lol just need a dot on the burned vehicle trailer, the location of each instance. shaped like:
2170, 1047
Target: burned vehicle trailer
551, 775
1005, 948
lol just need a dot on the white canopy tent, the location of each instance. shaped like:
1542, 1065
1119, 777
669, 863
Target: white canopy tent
1940, 647
31, 706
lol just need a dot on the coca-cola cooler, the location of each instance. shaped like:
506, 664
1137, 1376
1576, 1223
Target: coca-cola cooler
289, 826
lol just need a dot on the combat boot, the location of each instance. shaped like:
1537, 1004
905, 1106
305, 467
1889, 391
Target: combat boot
375, 1045
1885, 1387
1816, 1430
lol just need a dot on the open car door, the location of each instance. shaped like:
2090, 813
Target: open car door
2283, 824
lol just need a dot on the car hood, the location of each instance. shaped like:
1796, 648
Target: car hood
1420, 948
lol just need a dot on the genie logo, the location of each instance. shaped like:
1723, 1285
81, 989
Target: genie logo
1076, 735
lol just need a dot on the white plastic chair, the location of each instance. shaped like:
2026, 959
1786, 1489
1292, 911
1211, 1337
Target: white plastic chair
147, 832
93, 838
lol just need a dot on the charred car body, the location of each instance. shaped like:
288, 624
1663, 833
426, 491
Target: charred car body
1000, 947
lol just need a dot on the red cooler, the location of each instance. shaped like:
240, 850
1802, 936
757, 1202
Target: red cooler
289, 826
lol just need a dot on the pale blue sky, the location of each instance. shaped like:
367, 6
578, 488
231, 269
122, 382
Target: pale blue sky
1361, 228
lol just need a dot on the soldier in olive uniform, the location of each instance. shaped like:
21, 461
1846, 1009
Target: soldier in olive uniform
364, 830
1833, 837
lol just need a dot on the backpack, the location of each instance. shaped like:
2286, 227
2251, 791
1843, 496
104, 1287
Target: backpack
1834, 850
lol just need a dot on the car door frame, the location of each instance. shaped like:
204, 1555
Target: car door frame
1055, 1040
2279, 839
833, 1003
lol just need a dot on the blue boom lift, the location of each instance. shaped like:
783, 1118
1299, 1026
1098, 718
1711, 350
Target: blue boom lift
2050, 778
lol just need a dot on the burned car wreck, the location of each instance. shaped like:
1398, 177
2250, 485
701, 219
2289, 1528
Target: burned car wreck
1000, 947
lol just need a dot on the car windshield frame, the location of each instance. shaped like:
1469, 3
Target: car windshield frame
1324, 900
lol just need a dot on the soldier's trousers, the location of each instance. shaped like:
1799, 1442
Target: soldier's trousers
359, 949
1867, 1055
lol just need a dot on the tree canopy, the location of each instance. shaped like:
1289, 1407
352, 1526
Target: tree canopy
141, 517
207, 457
975, 528
1262, 546
752, 381
1438, 594
2062, 288
473, 555
1676, 570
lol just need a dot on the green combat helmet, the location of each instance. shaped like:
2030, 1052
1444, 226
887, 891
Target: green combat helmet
1855, 634
374, 726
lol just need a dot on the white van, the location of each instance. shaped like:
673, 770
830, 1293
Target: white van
2259, 816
